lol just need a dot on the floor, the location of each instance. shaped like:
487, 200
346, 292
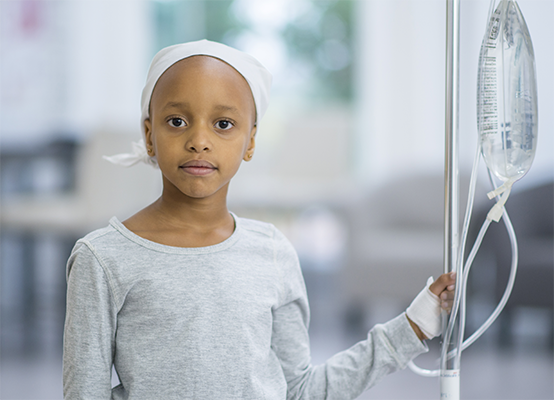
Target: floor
522, 372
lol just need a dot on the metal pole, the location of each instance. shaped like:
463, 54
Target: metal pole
450, 374
451, 180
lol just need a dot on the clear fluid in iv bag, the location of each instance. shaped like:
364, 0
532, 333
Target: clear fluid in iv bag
507, 94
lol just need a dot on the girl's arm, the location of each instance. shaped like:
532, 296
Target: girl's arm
89, 332
388, 347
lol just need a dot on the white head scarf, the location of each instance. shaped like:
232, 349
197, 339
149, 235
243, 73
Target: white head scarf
257, 76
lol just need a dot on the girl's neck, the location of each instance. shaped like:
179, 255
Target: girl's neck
182, 221
198, 214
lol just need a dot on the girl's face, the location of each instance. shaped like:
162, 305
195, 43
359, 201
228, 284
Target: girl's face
201, 126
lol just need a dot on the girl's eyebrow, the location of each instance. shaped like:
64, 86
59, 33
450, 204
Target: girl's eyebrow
231, 109
175, 104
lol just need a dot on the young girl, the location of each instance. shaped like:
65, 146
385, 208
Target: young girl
189, 301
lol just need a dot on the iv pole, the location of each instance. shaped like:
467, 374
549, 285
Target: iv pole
450, 375
451, 180
450, 367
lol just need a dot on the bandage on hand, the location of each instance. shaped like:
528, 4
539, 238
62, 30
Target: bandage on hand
425, 312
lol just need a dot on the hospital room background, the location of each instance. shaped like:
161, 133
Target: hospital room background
349, 165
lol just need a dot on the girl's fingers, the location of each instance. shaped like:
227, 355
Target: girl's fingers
447, 299
443, 282
447, 295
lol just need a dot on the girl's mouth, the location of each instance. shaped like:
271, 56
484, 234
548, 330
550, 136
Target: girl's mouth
198, 167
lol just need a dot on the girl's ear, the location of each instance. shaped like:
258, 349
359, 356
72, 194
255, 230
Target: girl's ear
148, 137
251, 145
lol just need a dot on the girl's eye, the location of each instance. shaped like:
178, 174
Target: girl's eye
177, 122
224, 125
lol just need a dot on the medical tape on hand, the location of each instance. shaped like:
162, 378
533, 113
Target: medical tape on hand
425, 312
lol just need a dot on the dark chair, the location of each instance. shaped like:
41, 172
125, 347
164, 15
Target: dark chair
531, 213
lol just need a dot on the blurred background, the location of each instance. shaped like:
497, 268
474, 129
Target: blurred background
349, 165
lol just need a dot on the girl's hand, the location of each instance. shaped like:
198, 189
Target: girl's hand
424, 312
444, 287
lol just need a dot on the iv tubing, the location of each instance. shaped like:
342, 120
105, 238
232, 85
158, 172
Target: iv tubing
467, 219
463, 283
509, 285
469, 263
469, 208
459, 293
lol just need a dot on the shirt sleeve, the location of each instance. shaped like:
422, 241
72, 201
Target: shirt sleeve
90, 324
388, 348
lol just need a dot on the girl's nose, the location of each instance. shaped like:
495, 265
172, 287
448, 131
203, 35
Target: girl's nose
199, 140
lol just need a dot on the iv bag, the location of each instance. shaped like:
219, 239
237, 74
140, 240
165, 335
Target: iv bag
507, 94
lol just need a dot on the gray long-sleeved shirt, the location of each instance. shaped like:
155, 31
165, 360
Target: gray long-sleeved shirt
228, 321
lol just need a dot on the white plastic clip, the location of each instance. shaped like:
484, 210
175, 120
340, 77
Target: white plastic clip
498, 209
